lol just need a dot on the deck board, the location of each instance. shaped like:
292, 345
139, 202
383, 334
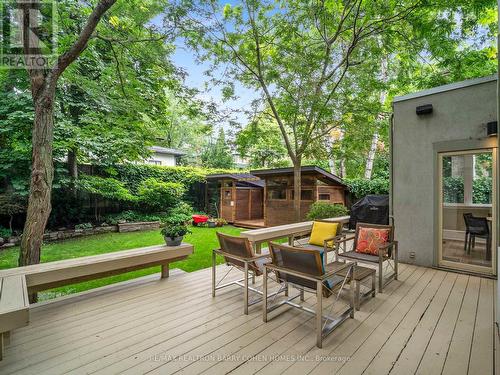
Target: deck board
427, 322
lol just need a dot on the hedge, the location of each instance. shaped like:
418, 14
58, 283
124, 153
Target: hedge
132, 175
361, 187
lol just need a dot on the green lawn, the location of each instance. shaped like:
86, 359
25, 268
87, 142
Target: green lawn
203, 239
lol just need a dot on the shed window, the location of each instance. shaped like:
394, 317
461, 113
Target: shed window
324, 197
228, 194
276, 188
276, 192
305, 195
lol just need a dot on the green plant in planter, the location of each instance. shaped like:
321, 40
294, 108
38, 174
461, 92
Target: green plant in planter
174, 231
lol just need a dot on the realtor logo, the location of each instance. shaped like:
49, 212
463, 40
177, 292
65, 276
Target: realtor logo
28, 34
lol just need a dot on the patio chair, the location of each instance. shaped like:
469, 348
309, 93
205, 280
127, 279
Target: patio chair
321, 237
304, 270
367, 247
238, 253
476, 227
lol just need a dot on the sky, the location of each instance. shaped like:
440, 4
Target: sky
185, 59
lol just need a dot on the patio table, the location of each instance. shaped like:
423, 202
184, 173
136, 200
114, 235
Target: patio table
258, 236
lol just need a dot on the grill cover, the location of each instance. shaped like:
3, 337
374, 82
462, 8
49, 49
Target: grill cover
373, 209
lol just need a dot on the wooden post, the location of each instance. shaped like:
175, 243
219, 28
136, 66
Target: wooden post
165, 270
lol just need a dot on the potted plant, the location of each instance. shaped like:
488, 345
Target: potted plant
173, 232
211, 223
220, 222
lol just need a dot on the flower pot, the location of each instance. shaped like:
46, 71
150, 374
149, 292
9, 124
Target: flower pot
211, 224
176, 241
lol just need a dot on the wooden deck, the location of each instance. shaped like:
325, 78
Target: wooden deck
428, 322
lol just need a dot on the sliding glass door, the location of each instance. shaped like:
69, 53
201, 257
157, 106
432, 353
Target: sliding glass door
466, 210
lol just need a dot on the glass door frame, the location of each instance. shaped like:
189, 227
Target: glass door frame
464, 266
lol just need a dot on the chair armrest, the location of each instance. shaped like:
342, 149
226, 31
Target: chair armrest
382, 249
339, 239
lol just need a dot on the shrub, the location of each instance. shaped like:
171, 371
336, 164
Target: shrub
324, 210
5, 232
105, 187
83, 226
160, 195
182, 212
361, 187
133, 216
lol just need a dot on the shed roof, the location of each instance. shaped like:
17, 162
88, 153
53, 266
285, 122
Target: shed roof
239, 177
308, 169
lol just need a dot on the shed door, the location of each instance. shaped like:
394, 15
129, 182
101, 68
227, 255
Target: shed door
256, 204
467, 210
242, 204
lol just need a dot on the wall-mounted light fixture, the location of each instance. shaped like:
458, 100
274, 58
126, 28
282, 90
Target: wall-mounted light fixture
492, 128
425, 109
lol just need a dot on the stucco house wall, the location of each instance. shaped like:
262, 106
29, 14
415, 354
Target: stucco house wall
458, 122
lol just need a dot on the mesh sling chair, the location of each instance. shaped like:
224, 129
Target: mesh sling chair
238, 253
304, 270
387, 252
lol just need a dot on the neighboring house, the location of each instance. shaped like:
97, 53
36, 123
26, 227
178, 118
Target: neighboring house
164, 156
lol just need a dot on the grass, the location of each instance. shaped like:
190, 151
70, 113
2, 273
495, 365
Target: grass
203, 239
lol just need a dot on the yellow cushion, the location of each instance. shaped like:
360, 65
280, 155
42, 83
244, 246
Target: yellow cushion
321, 231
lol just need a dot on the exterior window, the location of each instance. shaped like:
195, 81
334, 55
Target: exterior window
276, 188
324, 197
274, 193
154, 162
305, 195
228, 194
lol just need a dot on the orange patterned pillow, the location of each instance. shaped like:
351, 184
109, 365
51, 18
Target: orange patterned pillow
370, 239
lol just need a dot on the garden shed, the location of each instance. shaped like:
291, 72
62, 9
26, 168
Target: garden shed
240, 198
264, 198
317, 185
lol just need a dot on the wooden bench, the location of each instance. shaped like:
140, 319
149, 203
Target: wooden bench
14, 307
70, 271
16, 283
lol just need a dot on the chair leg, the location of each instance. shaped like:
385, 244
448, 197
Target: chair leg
253, 277
380, 277
395, 257
302, 298
466, 240
319, 314
245, 294
214, 256
374, 283
356, 296
264, 296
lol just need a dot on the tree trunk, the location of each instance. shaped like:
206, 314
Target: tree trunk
42, 175
297, 182
371, 156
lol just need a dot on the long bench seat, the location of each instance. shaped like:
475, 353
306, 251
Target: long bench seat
14, 306
16, 283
